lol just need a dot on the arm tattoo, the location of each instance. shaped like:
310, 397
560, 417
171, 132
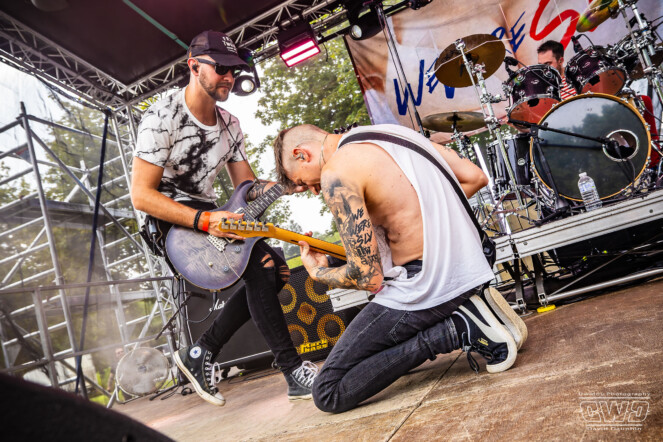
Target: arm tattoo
258, 188
356, 231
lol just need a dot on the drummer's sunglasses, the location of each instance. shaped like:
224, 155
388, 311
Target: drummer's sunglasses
220, 69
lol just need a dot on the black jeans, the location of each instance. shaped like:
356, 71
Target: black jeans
378, 347
258, 300
266, 274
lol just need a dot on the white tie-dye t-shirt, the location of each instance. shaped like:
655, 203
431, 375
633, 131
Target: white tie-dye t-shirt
191, 153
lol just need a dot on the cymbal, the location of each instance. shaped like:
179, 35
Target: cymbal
479, 48
596, 13
443, 122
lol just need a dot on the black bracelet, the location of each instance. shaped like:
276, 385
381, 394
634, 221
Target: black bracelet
195, 221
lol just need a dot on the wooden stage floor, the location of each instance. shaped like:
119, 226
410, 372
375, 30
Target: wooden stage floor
587, 370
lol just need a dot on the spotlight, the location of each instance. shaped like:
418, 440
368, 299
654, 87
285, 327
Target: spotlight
366, 26
244, 85
416, 4
362, 26
297, 43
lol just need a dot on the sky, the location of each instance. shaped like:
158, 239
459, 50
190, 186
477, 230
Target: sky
16, 86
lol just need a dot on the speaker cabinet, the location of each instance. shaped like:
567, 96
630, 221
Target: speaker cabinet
314, 326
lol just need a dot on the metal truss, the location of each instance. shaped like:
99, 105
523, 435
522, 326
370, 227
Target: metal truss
259, 34
26, 324
29, 51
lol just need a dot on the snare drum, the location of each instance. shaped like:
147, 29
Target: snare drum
596, 116
593, 70
533, 90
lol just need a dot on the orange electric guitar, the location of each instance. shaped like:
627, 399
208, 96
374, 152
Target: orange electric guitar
250, 229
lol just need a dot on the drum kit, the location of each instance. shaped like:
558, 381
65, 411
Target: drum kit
600, 130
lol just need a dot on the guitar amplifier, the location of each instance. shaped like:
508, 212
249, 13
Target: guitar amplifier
246, 349
313, 325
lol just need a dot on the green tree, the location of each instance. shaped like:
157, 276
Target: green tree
321, 91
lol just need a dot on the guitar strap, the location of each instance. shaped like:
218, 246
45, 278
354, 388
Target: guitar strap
487, 243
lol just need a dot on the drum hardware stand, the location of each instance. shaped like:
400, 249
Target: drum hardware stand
397, 60
463, 142
486, 99
518, 282
646, 49
561, 205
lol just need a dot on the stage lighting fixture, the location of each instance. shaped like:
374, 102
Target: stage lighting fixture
416, 4
244, 85
365, 26
247, 83
297, 43
363, 18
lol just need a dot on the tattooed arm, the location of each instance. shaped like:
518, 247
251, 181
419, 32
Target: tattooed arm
259, 187
240, 171
364, 267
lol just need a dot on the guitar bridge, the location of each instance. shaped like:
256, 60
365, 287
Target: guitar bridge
219, 243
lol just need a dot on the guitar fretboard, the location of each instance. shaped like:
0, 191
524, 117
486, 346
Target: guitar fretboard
260, 204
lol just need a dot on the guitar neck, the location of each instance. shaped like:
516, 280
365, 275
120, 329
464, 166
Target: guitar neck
317, 245
249, 229
260, 204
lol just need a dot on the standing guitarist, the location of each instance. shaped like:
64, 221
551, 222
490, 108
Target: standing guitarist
409, 239
184, 140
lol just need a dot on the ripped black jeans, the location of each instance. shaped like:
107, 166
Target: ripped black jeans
265, 275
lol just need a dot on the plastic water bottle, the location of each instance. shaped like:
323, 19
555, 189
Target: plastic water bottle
588, 191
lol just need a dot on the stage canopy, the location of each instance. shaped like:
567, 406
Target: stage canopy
119, 52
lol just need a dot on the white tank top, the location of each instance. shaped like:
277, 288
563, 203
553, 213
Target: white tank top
453, 260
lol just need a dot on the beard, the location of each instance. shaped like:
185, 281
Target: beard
215, 90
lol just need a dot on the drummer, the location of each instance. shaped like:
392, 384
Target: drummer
551, 53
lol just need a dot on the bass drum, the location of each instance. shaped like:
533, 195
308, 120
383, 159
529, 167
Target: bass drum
613, 169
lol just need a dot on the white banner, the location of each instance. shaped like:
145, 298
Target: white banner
421, 36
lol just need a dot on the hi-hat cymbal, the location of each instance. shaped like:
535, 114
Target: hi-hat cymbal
596, 13
444, 122
483, 49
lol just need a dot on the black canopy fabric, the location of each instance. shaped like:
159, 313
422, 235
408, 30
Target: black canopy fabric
116, 39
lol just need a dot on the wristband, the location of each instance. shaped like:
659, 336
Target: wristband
195, 221
205, 219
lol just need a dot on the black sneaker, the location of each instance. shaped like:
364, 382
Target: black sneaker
485, 335
502, 309
301, 380
196, 364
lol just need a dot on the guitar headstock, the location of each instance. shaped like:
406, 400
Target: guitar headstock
247, 229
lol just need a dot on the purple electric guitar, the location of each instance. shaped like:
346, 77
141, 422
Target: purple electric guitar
211, 262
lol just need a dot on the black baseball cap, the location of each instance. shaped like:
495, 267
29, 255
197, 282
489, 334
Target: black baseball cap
218, 46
